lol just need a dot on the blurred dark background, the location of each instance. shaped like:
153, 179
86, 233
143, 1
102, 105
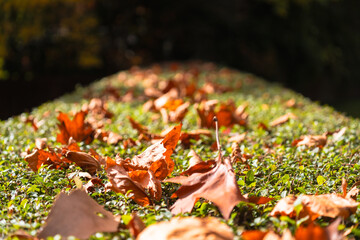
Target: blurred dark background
49, 46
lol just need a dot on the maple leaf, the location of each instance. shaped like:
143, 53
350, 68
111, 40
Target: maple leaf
187, 228
77, 128
121, 182
41, 157
157, 157
217, 184
76, 215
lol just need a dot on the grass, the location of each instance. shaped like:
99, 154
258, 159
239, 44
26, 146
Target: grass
26, 197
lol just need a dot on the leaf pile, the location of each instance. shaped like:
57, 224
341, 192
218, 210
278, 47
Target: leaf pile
125, 155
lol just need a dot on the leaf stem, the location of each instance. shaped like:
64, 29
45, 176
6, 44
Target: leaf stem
217, 135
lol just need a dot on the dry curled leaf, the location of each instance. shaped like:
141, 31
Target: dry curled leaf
187, 228
227, 113
157, 157
77, 215
83, 160
328, 205
77, 128
311, 141
217, 184
283, 119
121, 182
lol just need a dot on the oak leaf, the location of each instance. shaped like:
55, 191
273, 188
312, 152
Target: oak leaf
77, 128
217, 184
77, 215
187, 228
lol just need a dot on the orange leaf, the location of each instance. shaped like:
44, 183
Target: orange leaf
218, 185
40, 157
148, 181
77, 128
157, 156
121, 182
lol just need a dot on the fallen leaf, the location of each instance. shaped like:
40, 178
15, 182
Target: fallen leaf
186, 137
41, 157
30, 119
175, 114
92, 183
258, 200
313, 231
22, 235
218, 184
121, 182
260, 235
238, 138
283, 119
337, 136
41, 143
187, 228
227, 113
136, 225
77, 128
157, 157
77, 215
83, 160
143, 130
311, 141
148, 181
328, 205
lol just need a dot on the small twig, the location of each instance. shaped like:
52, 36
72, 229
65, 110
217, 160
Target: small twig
217, 135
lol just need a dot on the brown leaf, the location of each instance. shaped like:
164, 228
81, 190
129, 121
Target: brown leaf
40, 157
311, 141
83, 160
92, 183
187, 228
218, 185
40, 143
77, 215
353, 193
77, 128
22, 235
143, 130
157, 156
186, 137
176, 115
328, 205
196, 165
148, 181
30, 119
136, 225
226, 113
121, 182
283, 119
238, 138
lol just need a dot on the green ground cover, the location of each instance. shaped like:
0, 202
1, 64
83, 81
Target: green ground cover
277, 168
